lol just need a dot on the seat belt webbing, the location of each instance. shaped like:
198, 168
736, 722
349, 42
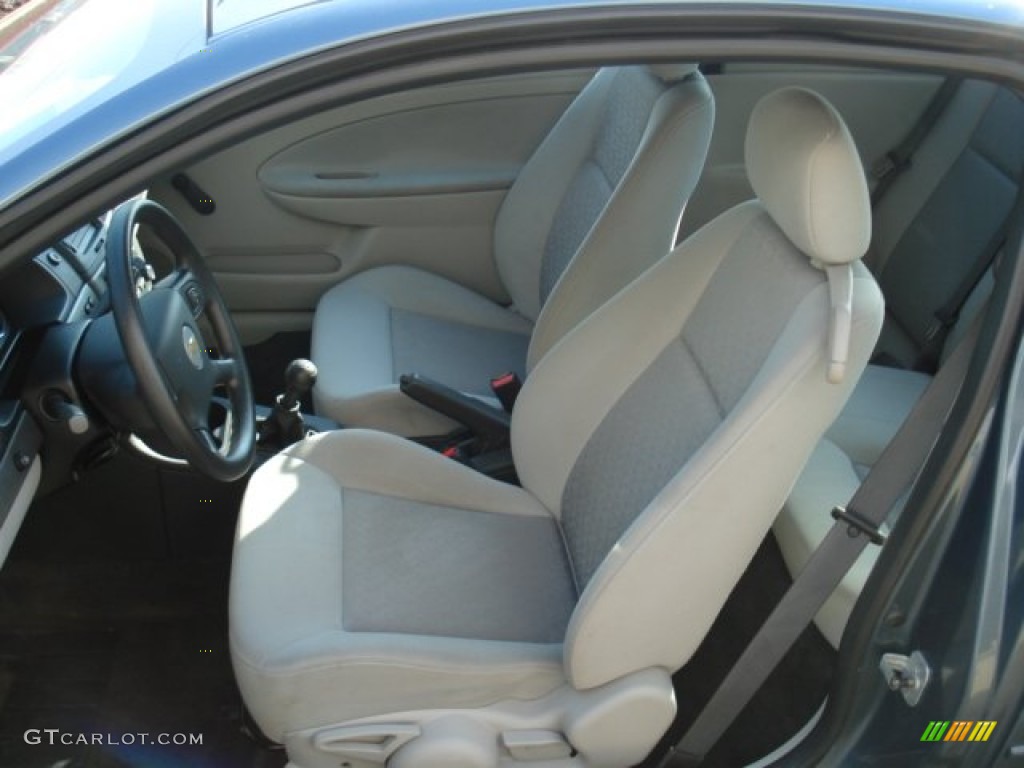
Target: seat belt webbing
888, 480
946, 316
897, 160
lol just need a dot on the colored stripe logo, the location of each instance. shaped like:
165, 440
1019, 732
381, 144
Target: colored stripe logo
958, 730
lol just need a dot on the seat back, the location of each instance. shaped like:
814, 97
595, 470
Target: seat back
601, 198
666, 429
937, 219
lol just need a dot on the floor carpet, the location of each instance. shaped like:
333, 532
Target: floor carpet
113, 622
119, 649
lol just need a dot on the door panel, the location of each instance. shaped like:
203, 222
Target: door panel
411, 178
879, 108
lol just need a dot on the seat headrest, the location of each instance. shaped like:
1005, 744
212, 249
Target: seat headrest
804, 167
672, 72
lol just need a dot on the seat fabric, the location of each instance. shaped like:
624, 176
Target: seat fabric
395, 320
374, 578
599, 202
922, 266
880, 403
930, 228
367, 563
801, 528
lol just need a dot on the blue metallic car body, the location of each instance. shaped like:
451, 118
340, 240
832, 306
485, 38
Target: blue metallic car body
283, 37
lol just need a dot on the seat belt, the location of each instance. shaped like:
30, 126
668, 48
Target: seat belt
897, 160
857, 524
946, 316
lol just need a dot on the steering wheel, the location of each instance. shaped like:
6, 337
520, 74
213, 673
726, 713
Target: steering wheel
167, 353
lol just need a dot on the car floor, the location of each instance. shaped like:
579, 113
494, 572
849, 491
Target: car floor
109, 627
113, 621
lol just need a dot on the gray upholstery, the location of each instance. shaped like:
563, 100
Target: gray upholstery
876, 409
881, 401
358, 316
454, 352
959, 216
457, 567
828, 221
312, 642
599, 202
805, 521
582, 205
628, 105
932, 226
708, 368
638, 447
705, 387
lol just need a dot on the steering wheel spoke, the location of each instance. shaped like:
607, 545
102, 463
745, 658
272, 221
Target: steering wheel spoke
225, 371
208, 440
185, 282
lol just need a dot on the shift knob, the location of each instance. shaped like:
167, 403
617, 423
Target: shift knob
299, 378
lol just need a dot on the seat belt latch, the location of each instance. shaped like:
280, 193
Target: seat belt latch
942, 323
457, 452
506, 388
859, 525
888, 164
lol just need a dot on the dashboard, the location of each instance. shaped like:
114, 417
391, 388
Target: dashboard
64, 283
69, 395
57, 292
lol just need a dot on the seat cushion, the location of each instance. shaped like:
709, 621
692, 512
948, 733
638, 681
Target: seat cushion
457, 599
940, 215
880, 403
384, 322
829, 479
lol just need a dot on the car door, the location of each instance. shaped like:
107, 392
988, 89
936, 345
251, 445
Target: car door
410, 178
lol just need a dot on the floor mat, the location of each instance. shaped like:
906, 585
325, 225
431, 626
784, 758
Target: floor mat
108, 651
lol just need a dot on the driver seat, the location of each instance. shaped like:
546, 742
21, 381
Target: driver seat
390, 606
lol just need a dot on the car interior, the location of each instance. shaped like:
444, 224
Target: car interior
481, 424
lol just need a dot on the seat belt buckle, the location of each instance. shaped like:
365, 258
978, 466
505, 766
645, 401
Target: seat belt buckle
883, 167
506, 388
942, 323
456, 452
859, 525
887, 165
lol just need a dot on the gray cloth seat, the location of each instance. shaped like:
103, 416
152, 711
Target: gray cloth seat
929, 230
597, 203
388, 605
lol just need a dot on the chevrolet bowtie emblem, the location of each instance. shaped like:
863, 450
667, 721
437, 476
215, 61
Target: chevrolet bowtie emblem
192, 348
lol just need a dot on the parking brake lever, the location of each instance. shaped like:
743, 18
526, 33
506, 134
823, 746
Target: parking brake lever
490, 425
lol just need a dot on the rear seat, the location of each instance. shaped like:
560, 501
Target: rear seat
929, 230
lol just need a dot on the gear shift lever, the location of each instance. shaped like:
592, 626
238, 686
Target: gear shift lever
299, 378
285, 425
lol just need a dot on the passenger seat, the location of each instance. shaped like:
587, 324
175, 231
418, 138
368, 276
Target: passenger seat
929, 231
597, 204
